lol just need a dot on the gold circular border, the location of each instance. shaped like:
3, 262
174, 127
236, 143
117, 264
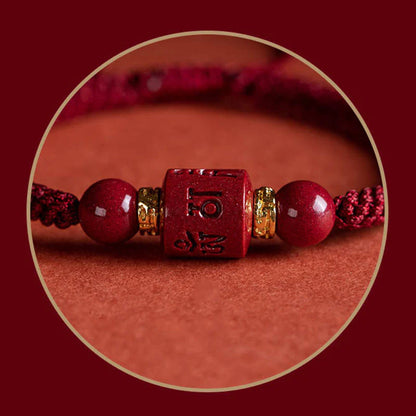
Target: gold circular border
150, 42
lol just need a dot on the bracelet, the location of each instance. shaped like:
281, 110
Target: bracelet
212, 212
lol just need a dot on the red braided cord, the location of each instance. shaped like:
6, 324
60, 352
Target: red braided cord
265, 87
53, 207
354, 210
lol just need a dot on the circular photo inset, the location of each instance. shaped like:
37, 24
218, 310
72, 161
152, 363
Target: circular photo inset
206, 211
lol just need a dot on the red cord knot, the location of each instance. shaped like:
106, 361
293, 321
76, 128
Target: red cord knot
356, 210
53, 207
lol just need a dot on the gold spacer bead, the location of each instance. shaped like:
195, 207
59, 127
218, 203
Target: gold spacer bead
264, 212
148, 202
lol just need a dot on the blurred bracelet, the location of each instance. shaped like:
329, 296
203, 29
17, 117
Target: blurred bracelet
212, 212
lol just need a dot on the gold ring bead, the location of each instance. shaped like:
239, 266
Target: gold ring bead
148, 205
264, 212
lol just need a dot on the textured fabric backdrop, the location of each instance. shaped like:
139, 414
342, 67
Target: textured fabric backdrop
200, 323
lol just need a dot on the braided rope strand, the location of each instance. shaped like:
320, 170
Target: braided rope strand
356, 210
53, 207
265, 87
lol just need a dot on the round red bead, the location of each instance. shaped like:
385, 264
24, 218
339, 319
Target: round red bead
305, 213
108, 211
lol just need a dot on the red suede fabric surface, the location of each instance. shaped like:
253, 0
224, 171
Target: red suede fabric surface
194, 322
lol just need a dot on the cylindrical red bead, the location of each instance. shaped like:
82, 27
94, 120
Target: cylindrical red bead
206, 213
108, 211
305, 213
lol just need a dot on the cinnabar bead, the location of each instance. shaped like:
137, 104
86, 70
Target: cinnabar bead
108, 211
305, 213
206, 213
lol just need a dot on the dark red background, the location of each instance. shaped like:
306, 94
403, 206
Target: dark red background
365, 49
